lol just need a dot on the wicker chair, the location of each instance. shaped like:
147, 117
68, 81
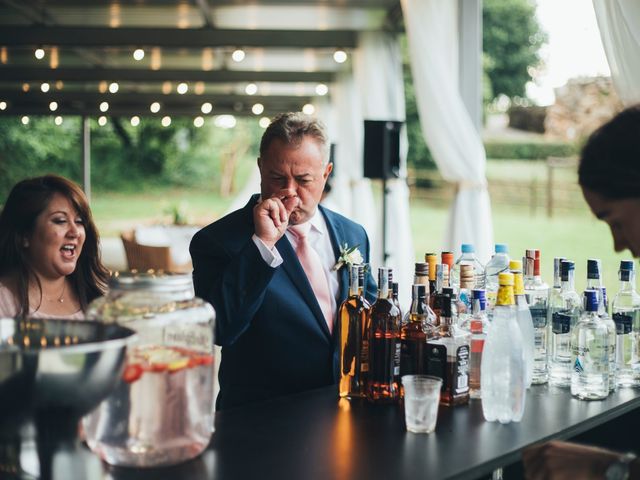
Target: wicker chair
146, 257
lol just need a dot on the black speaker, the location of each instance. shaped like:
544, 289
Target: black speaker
382, 148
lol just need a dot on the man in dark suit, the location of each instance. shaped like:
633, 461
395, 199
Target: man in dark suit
276, 299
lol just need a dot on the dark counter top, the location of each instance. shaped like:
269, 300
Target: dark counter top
315, 436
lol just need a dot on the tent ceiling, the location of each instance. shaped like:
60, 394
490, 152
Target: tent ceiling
288, 50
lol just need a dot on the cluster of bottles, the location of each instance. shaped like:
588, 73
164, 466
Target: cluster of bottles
490, 332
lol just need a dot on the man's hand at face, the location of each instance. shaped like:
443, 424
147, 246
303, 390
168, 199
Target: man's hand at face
271, 216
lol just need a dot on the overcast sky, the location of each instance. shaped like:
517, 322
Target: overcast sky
574, 47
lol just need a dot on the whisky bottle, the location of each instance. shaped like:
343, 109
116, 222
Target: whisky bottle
435, 300
354, 344
414, 334
448, 357
384, 345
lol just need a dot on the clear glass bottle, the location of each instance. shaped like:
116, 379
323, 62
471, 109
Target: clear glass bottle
415, 332
590, 342
384, 345
537, 295
498, 264
354, 344
525, 321
565, 310
503, 371
161, 413
478, 326
467, 284
468, 257
626, 315
448, 357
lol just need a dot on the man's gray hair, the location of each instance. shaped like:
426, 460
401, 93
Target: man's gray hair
291, 128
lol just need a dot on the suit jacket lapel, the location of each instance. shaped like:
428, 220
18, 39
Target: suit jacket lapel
294, 269
336, 233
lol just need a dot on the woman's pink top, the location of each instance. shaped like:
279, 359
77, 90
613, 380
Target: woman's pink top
9, 307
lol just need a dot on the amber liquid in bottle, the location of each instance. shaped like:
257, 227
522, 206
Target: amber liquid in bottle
384, 345
414, 334
354, 343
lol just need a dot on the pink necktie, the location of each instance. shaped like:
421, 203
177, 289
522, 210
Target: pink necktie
310, 261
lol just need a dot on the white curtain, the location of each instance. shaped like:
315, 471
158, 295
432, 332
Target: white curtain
378, 75
432, 27
619, 24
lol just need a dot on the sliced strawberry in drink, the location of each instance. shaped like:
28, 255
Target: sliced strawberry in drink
132, 372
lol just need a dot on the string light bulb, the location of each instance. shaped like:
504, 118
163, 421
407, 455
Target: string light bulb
58, 120
39, 54
155, 107
257, 109
135, 121
102, 121
138, 54
206, 108
198, 122
238, 55
53, 106
340, 56
166, 121
104, 106
114, 87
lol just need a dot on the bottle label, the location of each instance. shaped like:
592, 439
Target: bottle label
364, 356
437, 362
412, 357
539, 316
561, 323
623, 323
396, 360
477, 345
461, 373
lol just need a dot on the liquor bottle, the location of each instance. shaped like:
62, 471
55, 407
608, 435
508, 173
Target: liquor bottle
384, 345
565, 310
394, 295
626, 315
603, 313
594, 282
447, 259
502, 382
414, 334
498, 264
432, 260
525, 321
354, 344
468, 257
435, 300
537, 294
477, 325
590, 353
448, 357
421, 274
467, 283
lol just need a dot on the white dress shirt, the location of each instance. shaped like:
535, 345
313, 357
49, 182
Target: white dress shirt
321, 242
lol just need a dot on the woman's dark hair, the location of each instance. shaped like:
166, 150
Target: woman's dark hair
28, 199
610, 161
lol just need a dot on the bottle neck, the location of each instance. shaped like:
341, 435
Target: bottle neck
627, 281
518, 284
568, 284
505, 296
476, 307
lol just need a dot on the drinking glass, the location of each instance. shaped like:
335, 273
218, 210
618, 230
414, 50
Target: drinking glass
421, 399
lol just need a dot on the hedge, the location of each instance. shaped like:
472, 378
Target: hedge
529, 150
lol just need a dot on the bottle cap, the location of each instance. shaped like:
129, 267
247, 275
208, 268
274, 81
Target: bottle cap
422, 269
566, 266
394, 288
432, 260
467, 248
502, 248
505, 279
593, 268
383, 278
515, 265
390, 275
480, 296
447, 258
626, 265
532, 253
529, 263
591, 300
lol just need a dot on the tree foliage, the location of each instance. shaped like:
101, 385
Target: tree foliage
511, 39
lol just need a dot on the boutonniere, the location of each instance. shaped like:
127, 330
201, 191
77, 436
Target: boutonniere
348, 256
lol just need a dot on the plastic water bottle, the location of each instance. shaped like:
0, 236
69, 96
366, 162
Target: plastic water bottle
498, 264
525, 320
502, 379
468, 257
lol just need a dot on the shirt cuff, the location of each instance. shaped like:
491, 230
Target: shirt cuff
270, 256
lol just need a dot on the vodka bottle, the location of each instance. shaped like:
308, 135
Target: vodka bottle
498, 264
594, 282
626, 315
414, 334
525, 322
448, 357
502, 380
590, 342
478, 326
354, 345
468, 257
565, 310
384, 345
537, 294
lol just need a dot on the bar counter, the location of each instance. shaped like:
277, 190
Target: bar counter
314, 435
